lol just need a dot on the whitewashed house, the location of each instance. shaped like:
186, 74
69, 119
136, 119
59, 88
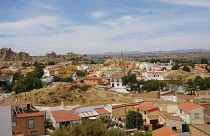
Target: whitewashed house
154, 75
116, 80
47, 77
82, 67
191, 113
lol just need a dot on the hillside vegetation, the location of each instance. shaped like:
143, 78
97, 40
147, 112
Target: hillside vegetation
73, 94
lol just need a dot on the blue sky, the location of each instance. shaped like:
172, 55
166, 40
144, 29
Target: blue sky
97, 26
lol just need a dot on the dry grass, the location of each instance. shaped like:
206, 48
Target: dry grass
53, 95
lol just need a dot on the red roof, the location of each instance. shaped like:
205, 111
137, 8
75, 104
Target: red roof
189, 106
147, 106
164, 131
123, 105
65, 115
25, 115
102, 111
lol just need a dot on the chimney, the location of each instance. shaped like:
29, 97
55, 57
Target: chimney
62, 103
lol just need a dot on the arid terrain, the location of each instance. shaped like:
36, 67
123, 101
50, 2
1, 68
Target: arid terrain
53, 95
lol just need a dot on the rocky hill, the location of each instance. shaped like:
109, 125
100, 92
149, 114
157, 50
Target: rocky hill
69, 56
6, 54
73, 94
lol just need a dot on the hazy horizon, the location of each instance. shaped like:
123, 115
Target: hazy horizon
98, 26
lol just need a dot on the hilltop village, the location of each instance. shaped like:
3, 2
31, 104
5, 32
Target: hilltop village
76, 94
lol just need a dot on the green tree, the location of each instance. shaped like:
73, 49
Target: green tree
80, 73
17, 76
87, 128
175, 67
56, 79
51, 63
130, 80
115, 132
134, 120
36, 73
186, 68
204, 61
67, 79
27, 84
190, 87
153, 85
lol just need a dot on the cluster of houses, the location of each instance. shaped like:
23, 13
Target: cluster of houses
164, 119
25, 119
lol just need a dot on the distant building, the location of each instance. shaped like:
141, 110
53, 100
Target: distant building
47, 77
6, 78
191, 113
116, 80
82, 67
93, 81
154, 75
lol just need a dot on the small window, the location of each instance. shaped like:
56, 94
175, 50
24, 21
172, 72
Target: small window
174, 128
196, 115
31, 123
14, 123
33, 133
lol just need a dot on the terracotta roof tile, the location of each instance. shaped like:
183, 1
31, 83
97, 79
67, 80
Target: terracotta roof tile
102, 111
147, 106
92, 78
164, 131
189, 106
25, 115
123, 105
65, 115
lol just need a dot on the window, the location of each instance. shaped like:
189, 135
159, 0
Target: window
14, 123
31, 123
174, 128
196, 115
33, 133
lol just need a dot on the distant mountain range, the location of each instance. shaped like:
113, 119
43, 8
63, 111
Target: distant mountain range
6, 54
153, 52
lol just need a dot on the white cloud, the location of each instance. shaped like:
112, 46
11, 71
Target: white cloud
98, 14
195, 3
40, 5
26, 23
99, 37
